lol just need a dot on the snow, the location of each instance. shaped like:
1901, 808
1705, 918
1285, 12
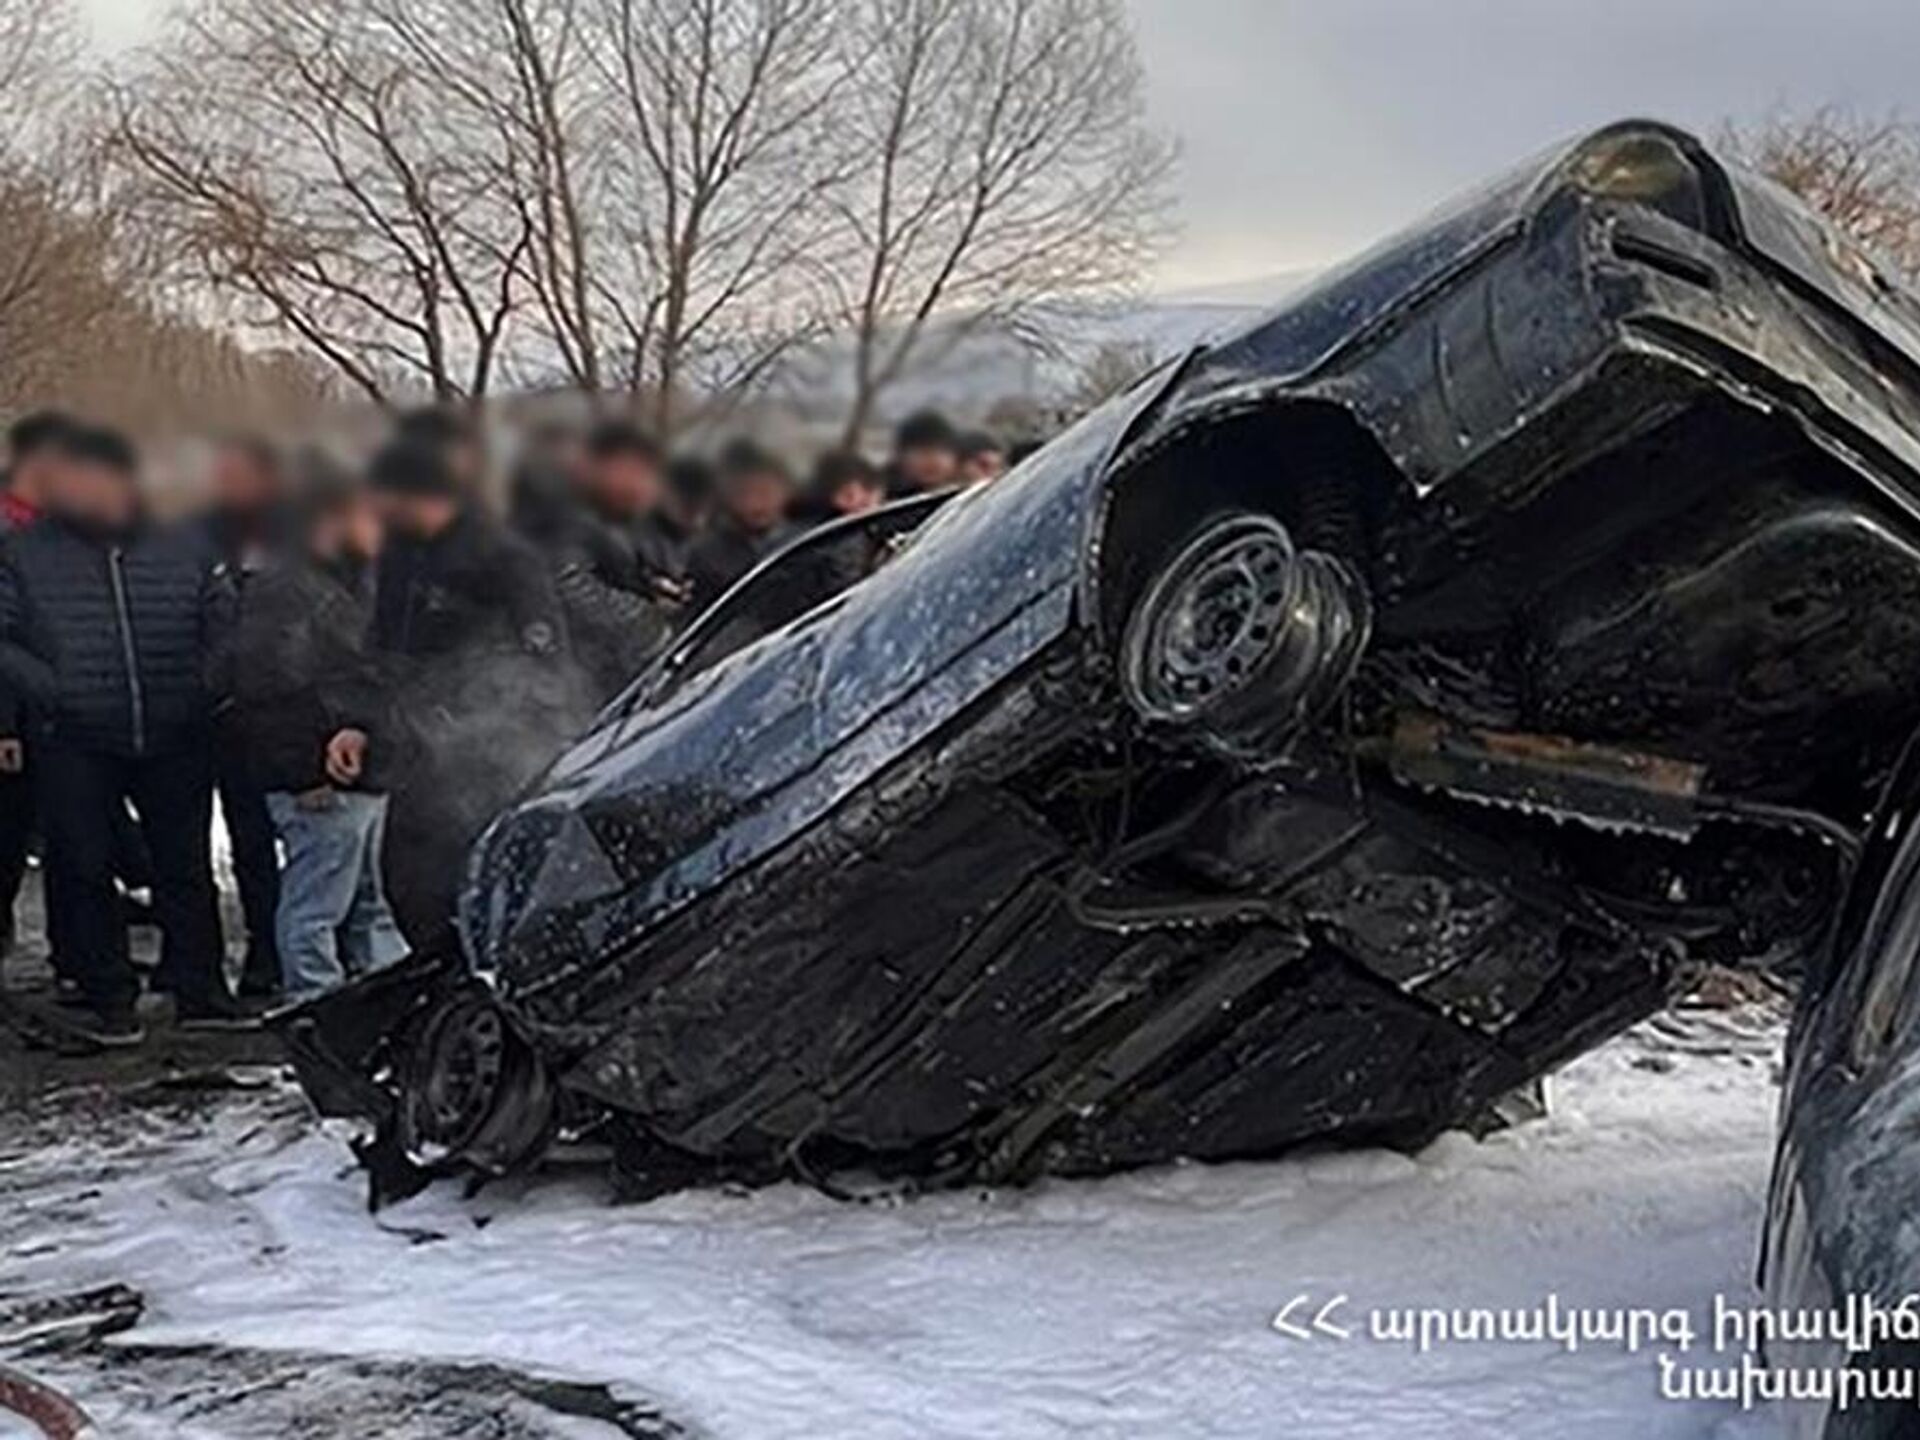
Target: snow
1134, 1306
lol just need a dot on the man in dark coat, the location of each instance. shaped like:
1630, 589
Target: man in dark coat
687, 504
623, 482
750, 524
844, 483
615, 622
32, 446
103, 637
469, 625
309, 709
242, 527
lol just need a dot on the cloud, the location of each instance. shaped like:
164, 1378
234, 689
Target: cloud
1312, 127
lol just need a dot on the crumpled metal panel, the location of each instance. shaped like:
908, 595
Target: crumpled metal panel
873, 885
831, 1014
771, 738
1808, 246
685, 794
1344, 307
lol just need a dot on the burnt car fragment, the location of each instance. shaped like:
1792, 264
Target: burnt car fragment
1334, 733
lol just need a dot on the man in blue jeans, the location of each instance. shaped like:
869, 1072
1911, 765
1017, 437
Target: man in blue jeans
333, 919
309, 704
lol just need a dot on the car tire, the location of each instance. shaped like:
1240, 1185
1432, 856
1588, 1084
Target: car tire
1238, 640
474, 1091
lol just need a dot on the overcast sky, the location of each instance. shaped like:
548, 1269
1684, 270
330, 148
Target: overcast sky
1311, 126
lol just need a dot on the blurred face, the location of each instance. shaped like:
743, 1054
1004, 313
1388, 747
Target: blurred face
352, 532
32, 475
468, 462
929, 467
92, 493
363, 530
758, 500
856, 497
983, 466
625, 485
243, 483
418, 517
690, 510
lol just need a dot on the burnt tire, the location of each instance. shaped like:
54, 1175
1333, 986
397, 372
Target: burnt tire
1238, 640
475, 1092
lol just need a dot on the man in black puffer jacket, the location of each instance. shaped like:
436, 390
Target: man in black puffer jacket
103, 636
751, 524
623, 491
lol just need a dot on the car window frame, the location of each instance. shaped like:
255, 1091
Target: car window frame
660, 681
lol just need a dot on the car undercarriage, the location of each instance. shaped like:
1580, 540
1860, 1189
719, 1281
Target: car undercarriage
1355, 721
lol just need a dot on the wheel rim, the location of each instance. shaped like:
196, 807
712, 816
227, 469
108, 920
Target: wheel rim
476, 1092
463, 1079
1207, 625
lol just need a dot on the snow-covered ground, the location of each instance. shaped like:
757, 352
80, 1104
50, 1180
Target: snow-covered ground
1139, 1306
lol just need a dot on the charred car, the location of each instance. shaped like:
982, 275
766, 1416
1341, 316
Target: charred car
1343, 727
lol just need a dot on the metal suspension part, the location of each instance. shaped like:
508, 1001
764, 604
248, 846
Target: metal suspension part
1606, 787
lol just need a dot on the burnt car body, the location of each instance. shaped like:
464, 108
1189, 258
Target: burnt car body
1839, 1235
1327, 737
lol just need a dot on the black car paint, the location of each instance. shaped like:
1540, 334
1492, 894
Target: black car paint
1839, 1213
899, 885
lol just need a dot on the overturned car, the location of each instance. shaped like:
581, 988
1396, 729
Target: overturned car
1327, 737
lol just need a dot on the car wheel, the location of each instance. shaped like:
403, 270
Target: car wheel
1240, 640
475, 1093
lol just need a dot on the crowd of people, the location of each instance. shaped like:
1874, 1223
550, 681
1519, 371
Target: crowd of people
359, 665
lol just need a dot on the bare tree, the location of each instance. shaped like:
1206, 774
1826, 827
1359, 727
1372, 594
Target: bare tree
549, 113
652, 199
628, 193
55, 280
54, 287
666, 159
39, 62
1000, 159
294, 162
1862, 172
721, 111
512, 81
